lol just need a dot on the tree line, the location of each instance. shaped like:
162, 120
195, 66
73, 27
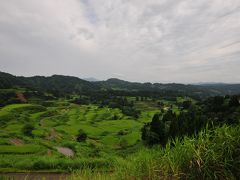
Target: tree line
212, 112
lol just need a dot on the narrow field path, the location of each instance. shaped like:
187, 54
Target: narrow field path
35, 176
53, 134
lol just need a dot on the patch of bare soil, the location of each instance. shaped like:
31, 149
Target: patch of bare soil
49, 152
21, 97
16, 141
65, 151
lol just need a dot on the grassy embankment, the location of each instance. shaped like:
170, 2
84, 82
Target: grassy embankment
212, 155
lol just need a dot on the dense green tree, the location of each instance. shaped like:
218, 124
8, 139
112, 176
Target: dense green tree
215, 104
234, 101
160, 131
154, 132
160, 104
186, 104
169, 116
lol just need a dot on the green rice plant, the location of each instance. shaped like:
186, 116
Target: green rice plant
4, 141
23, 149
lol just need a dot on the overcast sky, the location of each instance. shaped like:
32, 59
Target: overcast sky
138, 40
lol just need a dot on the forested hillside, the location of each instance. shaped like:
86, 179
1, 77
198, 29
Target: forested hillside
69, 84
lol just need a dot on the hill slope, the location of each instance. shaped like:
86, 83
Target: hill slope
69, 84
60, 83
189, 89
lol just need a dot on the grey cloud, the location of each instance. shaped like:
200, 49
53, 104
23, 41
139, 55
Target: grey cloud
86, 33
231, 44
158, 41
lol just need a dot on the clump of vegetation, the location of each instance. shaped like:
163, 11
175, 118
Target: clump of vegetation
123, 143
27, 129
123, 132
82, 136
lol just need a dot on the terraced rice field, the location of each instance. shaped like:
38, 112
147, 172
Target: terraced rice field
109, 132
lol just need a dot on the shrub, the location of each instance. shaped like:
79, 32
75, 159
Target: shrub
27, 129
82, 136
123, 143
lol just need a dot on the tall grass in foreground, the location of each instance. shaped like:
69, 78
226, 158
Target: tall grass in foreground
213, 154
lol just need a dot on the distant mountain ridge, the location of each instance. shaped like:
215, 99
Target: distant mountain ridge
65, 84
91, 79
209, 89
71, 84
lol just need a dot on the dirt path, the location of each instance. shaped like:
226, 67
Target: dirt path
53, 134
35, 176
65, 151
16, 141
